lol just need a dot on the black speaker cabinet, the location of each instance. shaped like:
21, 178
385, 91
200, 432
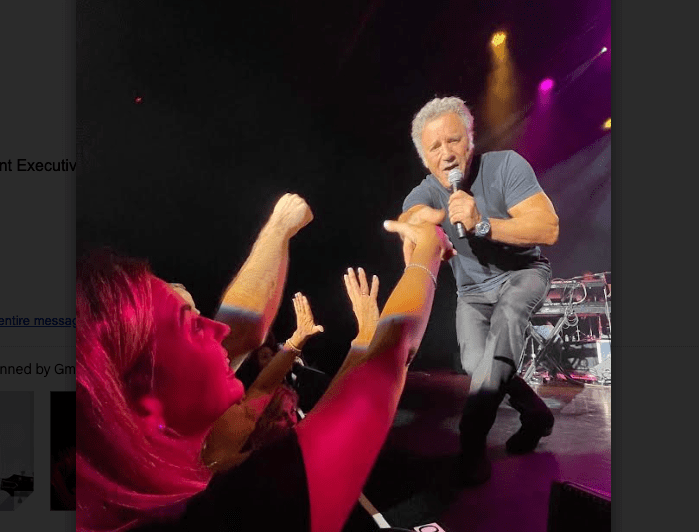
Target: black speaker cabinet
574, 508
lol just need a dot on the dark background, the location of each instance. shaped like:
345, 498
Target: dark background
62, 446
240, 105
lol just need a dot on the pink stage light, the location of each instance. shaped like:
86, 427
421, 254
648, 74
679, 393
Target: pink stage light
546, 85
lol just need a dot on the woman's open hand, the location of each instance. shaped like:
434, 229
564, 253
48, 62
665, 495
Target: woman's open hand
305, 323
364, 303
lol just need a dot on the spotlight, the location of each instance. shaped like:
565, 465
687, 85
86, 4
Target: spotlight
498, 38
138, 99
604, 49
546, 85
607, 124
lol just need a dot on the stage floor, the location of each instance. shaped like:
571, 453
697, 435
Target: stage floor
413, 482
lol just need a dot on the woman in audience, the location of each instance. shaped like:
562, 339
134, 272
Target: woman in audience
153, 379
270, 406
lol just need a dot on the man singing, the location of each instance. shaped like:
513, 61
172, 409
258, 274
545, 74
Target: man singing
500, 273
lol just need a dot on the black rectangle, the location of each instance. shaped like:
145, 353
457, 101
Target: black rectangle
574, 508
63, 451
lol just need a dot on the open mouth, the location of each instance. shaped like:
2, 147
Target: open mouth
226, 356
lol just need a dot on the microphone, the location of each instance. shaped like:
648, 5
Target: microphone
455, 177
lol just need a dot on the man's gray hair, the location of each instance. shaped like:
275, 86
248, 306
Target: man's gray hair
434, 109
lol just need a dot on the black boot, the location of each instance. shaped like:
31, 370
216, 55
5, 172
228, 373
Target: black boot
477, 419
537, 419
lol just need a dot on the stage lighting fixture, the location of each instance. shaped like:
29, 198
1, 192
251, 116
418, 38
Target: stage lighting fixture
498, 38
546, 85
607, 124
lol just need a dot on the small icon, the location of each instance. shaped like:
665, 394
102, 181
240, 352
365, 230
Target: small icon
431, 527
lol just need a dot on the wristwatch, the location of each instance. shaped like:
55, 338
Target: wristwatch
482, 228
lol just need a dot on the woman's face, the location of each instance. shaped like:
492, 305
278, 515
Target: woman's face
193, 380
264, 355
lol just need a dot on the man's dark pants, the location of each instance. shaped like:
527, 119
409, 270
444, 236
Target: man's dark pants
490, 329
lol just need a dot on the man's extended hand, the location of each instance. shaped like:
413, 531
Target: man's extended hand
291, 214
409, 231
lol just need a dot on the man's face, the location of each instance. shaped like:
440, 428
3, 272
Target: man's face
446, 146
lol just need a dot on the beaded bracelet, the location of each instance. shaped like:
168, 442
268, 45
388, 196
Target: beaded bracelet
434, 279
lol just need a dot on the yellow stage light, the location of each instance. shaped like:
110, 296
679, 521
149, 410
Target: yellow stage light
498, 38
607, 124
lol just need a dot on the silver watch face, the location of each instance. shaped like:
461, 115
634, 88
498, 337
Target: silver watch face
482, 228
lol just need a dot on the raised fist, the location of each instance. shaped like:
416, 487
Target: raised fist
291, 214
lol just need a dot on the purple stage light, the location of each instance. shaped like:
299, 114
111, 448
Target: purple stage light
546, 85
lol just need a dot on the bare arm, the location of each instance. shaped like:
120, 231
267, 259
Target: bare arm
277, 368
341, 437
251, 301
407, 215
229, 433
533, 221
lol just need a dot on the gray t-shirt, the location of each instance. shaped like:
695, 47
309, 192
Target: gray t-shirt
504, 179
